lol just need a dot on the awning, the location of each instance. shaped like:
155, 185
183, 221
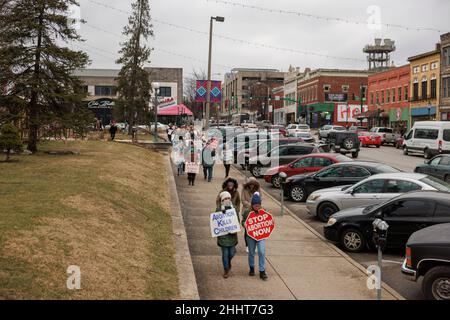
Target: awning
424, 111
177, 110
372, 114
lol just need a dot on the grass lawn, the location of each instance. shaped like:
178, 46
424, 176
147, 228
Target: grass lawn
105, 210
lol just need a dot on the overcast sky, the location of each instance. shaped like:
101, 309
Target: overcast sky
175, 47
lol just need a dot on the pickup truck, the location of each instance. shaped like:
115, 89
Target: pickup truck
387, 135
428, 256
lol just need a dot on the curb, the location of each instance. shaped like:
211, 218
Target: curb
187, 283
385, 286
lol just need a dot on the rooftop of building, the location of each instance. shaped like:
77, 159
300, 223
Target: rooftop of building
254, 70
426, 54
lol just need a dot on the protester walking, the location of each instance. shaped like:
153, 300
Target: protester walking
208, 160
193, 157
113, 130
179, 156
231, 186
253, 244
170, 130
248, 191
228, 242
228, 158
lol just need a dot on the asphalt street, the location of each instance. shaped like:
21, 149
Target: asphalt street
392, 260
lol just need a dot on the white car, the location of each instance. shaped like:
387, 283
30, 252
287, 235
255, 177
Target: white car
429, 138
326, 129
292, 129
373, 190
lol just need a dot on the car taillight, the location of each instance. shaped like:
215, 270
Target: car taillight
408, 257
440, 146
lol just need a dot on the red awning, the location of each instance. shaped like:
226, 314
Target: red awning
176, 110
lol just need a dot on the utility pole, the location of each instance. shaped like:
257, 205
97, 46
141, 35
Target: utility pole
208, 85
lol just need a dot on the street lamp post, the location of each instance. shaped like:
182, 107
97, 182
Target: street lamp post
155, 86
429, 110
208, 85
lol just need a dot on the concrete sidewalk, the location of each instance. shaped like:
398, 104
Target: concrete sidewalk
300, 264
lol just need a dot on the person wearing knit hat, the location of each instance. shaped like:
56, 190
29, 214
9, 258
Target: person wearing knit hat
248, 190
228, 242
253, 244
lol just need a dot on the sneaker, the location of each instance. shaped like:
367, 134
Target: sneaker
246, 249
251, 273
263, 275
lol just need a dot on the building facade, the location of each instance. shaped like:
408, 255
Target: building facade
101, 86
445, 78
388, 98
331, 96
425, 85
248, 91
277, 106
290, 109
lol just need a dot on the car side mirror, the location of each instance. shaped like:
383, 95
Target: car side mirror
427, 161
378, 215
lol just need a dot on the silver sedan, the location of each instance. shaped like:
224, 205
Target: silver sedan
373, 190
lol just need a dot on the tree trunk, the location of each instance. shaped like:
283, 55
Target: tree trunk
33, 113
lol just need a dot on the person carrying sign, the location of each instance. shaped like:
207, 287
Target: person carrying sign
252, 243
229, 241
231, 185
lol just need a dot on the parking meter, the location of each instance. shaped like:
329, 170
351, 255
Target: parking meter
283, 177
380, 231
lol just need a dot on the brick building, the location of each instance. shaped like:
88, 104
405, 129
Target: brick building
276, 105
388, 98
331, 96
424, 85
248, 90
445, 78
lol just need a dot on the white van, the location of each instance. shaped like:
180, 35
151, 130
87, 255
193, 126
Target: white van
429, 138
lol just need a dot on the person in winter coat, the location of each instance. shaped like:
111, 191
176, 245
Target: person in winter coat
228, 158
208, 160
228, 242
248, 191
231, 185
193, 156
180, 150
113, 130
252, 243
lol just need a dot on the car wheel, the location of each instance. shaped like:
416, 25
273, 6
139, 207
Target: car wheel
298, 194
405, 150
427, 154
436, 284
397, 146
378, 146
352, 240
256, 171
355, 155
276, 181
325, 210
348, 144
447, 178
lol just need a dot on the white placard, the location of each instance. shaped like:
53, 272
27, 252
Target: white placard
192, 167
224, 223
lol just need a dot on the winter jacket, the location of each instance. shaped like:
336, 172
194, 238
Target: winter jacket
208, 157
228, 240
248, 191
235, 198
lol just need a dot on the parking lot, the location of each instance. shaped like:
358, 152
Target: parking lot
392, 259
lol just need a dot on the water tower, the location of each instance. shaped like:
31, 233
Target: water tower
379, 54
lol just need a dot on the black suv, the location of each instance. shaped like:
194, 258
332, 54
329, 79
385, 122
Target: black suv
428, 256
344, 142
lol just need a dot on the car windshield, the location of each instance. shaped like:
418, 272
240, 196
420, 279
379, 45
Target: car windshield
327, 127
339, 128
436, 183
303, 126
303, 135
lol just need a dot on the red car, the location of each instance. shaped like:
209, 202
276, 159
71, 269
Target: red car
368, 139
305, 164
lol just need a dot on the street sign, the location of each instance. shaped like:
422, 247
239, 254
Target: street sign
224, 223
259, 225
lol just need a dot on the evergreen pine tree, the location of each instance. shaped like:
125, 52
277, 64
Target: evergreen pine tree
10, 139
37, 62
133, 81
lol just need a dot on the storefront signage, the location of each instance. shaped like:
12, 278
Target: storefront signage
101, 104
336, 97
349, 113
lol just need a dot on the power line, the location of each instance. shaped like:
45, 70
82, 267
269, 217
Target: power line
256, 44
156, 49
324, 18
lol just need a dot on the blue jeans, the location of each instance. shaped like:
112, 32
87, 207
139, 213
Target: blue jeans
252, 244
227, 255
208, 172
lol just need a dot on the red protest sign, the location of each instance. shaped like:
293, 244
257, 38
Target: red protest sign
259, 225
